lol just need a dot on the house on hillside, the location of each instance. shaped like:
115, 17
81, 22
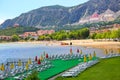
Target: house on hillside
29, 34
43, 32
5, 37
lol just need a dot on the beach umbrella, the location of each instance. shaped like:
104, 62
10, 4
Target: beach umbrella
111, 50
118, 50
11, 65
106, 52
85, 58
94, 54
19, 63
27, 66
39, 61
41, 57
71, 51
46, 55
35, 58
90, 57
29, 61
2, 67
78, 51
81, 52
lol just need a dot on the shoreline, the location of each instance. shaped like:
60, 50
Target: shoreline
84, 43
95, 44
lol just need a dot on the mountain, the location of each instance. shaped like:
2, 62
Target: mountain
60, 15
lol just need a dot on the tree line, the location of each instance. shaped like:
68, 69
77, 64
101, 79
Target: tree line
64, 35
113, 34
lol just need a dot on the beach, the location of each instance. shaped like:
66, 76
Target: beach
85, 42
95, 44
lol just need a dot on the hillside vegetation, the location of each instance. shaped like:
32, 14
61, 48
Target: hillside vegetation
16, 30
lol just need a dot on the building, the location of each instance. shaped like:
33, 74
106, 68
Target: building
36, 34
43, 32
5, 37
29, 34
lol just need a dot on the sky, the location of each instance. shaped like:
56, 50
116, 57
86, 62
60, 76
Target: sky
10, 9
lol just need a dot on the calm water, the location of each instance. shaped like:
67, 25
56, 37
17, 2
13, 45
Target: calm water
26, 50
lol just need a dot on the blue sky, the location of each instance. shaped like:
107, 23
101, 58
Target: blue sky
12, 8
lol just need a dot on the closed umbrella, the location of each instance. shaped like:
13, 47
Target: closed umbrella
94, 54
85, 58
19, 63
39, 61
29, 61
90, 57
2, 67
71, 51
11, 65
78, 51
35, 58
26, 67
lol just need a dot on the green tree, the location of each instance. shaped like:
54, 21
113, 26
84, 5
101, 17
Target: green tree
15, 37
42, 37
33, 76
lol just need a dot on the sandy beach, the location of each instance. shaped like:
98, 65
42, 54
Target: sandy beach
85, 43
96, 44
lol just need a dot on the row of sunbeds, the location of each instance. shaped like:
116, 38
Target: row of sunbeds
79, 68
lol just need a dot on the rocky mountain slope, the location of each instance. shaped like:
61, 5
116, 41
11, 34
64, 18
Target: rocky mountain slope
59, 15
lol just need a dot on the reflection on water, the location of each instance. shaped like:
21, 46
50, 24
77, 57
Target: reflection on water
14, 50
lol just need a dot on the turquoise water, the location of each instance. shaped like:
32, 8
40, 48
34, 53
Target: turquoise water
30, 50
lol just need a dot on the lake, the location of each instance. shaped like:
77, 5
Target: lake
30, 50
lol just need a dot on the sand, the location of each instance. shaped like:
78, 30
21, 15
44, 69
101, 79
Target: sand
96, 44
85, 43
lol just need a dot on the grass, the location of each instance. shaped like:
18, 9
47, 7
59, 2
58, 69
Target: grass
107, 69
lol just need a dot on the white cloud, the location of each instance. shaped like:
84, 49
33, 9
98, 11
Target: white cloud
1, 21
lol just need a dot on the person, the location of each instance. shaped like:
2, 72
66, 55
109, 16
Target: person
70, 43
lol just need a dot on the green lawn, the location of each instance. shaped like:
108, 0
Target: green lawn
107, 69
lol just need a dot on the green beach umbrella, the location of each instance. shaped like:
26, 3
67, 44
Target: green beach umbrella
81, 51
44, 54
94, 54
85, 58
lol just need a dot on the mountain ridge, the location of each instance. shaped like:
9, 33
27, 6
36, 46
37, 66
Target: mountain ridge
59, 15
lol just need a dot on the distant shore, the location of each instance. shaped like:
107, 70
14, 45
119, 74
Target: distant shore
95, 44
85, 43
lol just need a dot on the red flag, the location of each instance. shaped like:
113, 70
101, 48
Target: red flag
46, 55
39, 61
35, 58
